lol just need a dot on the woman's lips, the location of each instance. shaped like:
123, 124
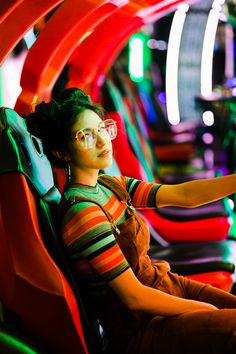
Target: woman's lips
104, 153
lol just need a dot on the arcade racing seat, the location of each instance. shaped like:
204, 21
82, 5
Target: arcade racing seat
37, 286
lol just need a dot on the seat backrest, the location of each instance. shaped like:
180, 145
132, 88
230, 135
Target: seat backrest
32, 285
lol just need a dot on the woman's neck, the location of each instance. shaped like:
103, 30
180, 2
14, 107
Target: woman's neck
88, 178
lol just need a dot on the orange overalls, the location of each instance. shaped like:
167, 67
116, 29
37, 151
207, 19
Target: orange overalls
132, 332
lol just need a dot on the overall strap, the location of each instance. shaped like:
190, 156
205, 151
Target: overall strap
115, 186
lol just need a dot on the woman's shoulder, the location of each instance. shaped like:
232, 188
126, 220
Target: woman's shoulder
76, 200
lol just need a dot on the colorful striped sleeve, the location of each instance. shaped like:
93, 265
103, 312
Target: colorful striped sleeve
87, 233
143, 194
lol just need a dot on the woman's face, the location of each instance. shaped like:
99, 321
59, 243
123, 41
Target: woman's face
97, 155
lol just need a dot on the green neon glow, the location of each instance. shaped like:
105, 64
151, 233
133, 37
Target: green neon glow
16, 344
136, 57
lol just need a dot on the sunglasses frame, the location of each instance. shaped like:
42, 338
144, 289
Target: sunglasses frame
108, 128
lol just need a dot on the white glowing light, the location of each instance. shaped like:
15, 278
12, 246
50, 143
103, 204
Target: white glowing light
119, 3
10, 73
172, 61
29, 38
231, 203
208, 47
218, 3
208, 118
136, 58
183, 7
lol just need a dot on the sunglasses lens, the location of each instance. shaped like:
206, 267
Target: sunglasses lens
111, 128
90, 139
86, 138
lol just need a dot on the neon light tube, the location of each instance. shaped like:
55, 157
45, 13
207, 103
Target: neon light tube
172, 62
207, 52
136, 70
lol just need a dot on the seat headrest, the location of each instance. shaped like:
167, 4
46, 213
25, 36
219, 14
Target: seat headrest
22, 152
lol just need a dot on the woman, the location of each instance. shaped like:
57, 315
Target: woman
143, 307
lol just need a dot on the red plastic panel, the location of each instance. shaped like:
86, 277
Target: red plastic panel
222, 280
59, 38
31, 285
54, 46
19, 21
7, 7
209, 229
55, 54
118, 27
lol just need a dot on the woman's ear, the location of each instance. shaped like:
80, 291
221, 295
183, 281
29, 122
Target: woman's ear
64, 156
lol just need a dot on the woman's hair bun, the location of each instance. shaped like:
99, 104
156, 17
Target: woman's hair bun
43, 119
52, 121
76, 95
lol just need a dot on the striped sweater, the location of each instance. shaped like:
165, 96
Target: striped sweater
87, 232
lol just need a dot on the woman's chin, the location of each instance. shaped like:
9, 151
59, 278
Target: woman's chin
107, 163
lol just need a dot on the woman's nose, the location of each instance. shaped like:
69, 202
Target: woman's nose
101, 141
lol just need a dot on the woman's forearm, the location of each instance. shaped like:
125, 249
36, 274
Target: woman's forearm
138, 297
159, 303
195, 193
